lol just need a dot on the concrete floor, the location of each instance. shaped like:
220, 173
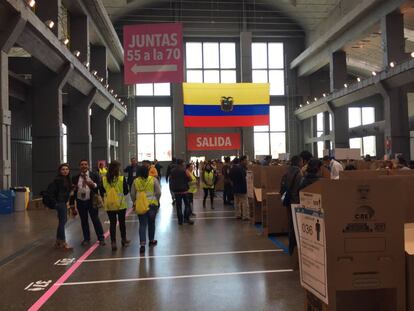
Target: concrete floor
227, 265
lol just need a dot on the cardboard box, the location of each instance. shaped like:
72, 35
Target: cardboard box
36, 204
360, 264
274, 214
361, 174
256, 213
409, 252
272, 177
257, 176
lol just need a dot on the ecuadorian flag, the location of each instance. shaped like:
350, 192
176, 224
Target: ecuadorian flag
226, 105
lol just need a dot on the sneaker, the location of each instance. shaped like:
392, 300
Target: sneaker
190, 222
153, 243
125, 243
102, 243
113, 246
142, 249
86, 242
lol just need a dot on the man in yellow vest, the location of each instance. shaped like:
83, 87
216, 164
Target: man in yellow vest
208, 178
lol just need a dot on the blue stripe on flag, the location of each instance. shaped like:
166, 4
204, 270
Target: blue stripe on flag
215, 110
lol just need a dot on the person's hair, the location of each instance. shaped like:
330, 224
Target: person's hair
411, 164
350, 167
113, 171
83, 160
146, 162
143, 172
306, 155
242, 158
326, 158
295, 161
236, 161
188, 165
401, 160
66, 179
179, 161
314, 166
226, 159
133, 158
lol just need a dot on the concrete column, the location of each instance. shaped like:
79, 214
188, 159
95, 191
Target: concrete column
100, 134
5, 123
98, 61
79, 128
47, 123
79, 36
49, 10
396, 122
341, 127
128, 133
246, 76
393, 41
179, 132
338, 71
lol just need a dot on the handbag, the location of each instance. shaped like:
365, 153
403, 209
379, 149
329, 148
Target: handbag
97, 201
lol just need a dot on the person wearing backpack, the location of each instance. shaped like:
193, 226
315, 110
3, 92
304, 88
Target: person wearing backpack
114, 188
146, 193
58, 193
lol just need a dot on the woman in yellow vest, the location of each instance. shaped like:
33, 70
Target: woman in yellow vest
151, 187
115, 188
102, 169
208, 178
192, 185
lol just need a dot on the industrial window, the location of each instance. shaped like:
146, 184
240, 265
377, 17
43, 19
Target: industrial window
153, 89
211, 62
268, 66
271, 140
366, 144
154, 133
358, 116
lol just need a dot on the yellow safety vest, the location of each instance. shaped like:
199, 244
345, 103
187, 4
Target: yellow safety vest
118, 184
192, 184
209, 180
147, 186
103, 171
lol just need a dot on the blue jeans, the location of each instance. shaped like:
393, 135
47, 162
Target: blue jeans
62, 214
147, 220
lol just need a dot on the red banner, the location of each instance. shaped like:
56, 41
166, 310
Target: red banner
222, 141
153, 53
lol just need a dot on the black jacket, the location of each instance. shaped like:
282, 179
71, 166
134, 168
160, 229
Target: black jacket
308, 180
132, 173
238, 178
58, 192
95, 178
291, 182
179, 180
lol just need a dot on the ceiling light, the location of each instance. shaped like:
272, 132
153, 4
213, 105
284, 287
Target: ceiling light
345, 85
66, 41
307, 102
76, 53
324, 95
116, 95
94, 72
412, 54
359, 79
300, 106
392, 64
86, 64
32, 3
49, 23
374, 73
106, 85
101, 79
111, 91
315, 99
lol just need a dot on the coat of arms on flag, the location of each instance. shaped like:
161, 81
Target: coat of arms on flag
226, 105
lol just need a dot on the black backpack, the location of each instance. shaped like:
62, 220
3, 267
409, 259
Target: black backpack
47, 199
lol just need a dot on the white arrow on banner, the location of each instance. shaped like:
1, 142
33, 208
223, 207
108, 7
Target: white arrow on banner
153, 68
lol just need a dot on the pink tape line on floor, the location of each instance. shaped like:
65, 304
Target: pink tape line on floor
46, 296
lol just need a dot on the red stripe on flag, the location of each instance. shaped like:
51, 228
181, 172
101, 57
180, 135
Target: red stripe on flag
230, 121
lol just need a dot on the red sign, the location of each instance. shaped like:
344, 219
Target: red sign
222, 141
153, 53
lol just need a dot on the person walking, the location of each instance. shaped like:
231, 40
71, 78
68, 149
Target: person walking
131, 170
150, 187
179, 186
208, 178
102, 170
59, 192
170, 168
158, 167
227, 191
238, 174
86, 187
289, 189
192, 186
114, 188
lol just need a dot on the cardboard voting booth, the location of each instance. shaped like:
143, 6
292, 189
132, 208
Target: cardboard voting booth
256, 211
351, 243
409, 253
274, 214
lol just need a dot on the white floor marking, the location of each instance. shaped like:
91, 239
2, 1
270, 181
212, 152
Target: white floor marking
176, 277
198, 212
186, 255
192, 218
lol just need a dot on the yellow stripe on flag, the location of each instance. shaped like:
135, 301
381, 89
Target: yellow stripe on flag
211, 93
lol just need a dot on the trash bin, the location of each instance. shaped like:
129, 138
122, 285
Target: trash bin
22, 198
6, 201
